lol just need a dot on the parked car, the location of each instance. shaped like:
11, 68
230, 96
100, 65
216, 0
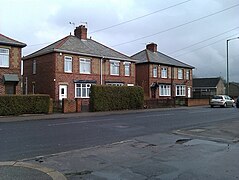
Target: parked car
222, 101
237, 102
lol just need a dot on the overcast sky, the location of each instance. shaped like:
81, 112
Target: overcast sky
192, 31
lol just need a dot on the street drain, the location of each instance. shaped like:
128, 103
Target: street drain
81, 173
182, 141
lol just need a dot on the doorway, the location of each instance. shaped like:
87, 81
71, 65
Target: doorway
62, 92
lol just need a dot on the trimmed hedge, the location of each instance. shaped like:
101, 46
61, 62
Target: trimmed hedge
108, 98
24, 104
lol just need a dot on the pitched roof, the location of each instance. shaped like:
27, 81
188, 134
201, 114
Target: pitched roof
206, 82
157, 57
73, 45
4, 40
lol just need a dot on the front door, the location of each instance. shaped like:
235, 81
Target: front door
62, 92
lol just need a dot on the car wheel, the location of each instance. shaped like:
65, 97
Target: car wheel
212, 106
225, 105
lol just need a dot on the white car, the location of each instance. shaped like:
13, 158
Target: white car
222, 101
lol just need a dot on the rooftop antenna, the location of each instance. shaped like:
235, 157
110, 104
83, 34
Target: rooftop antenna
84, 22
72, 23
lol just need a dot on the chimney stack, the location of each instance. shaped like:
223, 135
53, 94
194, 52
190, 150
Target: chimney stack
81, 32
152, 47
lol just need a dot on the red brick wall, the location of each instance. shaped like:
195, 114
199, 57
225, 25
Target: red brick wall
14, 68
144, 78
50, 74
44, 77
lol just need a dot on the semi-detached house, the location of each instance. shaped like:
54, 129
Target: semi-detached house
10, 65
161, 76
67, 68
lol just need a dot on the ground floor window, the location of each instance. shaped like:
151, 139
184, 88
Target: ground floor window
82, 90
10, 88
115, 84
180, 90
164, 90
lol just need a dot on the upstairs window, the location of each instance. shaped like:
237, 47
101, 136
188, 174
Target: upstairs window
127, 68
180, 73
155, 71
114, 68
34, 67
188, 74
4, 57
85, 66
68, 64
164, 72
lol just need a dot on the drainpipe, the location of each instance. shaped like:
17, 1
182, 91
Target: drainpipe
101, 70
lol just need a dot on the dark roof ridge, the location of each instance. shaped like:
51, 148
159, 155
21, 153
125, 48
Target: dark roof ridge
51, 50
175, 59
19, 43
110, 48
63, 41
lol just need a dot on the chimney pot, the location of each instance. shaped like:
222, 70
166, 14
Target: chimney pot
81, 32
152, 47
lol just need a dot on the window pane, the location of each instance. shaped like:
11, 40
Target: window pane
85, 66
114, 68
164, 72
4, 57
180, 74
68, 64
127, 69
82, 90
155, 71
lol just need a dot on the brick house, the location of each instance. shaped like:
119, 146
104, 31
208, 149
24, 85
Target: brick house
67, 68
161, 76
10, 65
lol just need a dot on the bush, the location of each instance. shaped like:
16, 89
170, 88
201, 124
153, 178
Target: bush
24, 104
108, 98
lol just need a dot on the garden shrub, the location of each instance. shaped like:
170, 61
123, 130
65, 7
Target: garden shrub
24, 104
109, 98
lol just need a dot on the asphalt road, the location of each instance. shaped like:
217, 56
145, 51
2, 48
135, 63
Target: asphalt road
19, 140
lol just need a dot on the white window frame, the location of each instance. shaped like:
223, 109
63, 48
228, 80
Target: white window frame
4, 57
180, 90
115, 84
164, 72
127, 68
82, 90
114, 68
68, 64
188, 74
85, 66
155, 71
164, 90
180, 73
34, 66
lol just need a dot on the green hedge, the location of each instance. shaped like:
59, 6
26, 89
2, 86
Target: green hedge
108, 98
24, 104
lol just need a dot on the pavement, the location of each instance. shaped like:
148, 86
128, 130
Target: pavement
203, 152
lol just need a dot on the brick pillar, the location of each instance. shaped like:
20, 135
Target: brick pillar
64, 105
78, 105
